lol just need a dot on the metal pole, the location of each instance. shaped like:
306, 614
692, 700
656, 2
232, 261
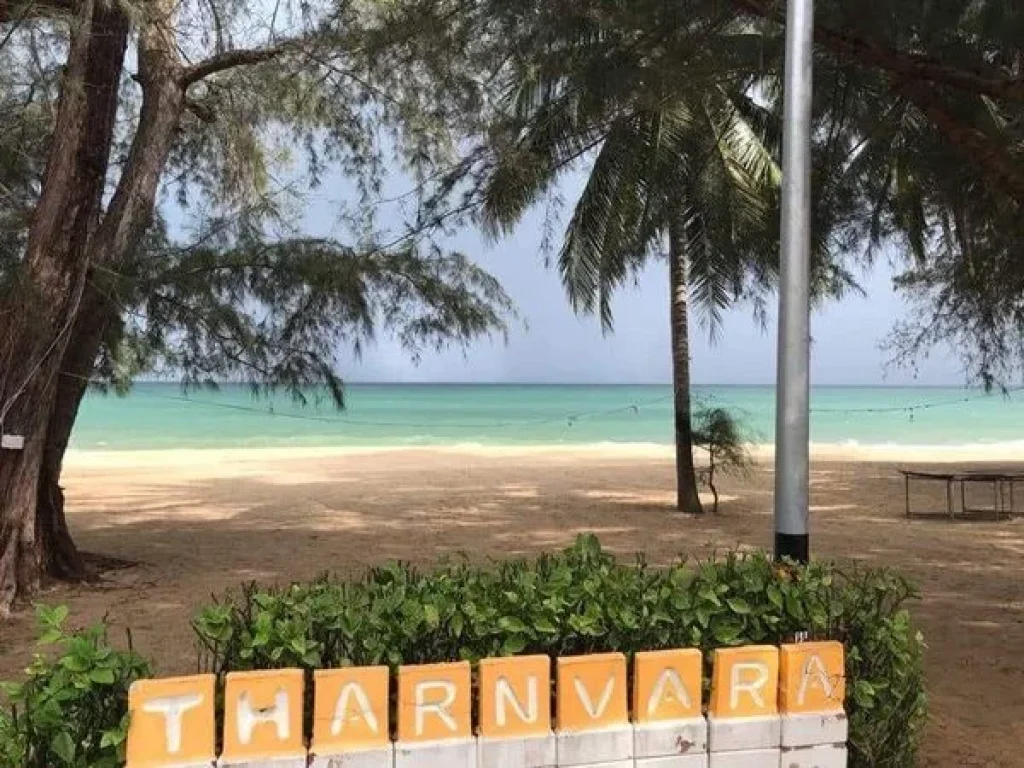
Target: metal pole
792, 428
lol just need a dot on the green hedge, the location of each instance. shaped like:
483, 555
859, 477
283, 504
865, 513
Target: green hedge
584, 600
579, 601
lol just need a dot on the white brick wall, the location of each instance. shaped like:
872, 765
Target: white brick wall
606, 748
461, 753
372, 758
530, 752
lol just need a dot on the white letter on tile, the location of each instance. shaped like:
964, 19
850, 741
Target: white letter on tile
249, 718
173, 708
439, 708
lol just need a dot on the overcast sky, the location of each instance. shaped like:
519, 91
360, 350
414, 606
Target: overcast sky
552, 345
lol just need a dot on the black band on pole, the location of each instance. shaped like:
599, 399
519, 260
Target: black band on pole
796, 547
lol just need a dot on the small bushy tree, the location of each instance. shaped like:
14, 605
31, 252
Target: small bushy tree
722, 436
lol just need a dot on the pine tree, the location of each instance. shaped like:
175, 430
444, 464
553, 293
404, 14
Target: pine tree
93, 285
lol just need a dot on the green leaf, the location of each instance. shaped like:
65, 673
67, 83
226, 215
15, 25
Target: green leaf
864, 694
738, 605
63, 746
545, 626
794, 608
727, 633
103, 676
513, 645
431, 616
112, 738
74, 664
457, 624
512, 624
50, 636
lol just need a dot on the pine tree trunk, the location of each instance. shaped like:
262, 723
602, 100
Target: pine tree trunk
687, 499
40, 310
52, 323
124, 224
61, 558
38, 314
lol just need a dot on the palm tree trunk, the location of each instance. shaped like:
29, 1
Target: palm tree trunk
687, 499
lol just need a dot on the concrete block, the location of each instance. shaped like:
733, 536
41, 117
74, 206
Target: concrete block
821, 756
277, 762
732, 734
809, 730
750, 758
527, 752
453, 753
366, 758
678, 738
611, 747
675, 761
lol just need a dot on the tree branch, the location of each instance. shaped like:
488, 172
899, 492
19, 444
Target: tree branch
973, 145
25, 9
240, 57
906, 65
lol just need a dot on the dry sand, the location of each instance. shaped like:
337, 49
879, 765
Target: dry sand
199, 522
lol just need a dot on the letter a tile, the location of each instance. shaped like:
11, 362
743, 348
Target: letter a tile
350, 712
666, 686
813, 678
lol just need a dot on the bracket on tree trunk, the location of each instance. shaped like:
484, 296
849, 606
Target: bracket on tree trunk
12, 442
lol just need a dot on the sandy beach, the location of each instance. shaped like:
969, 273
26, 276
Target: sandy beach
201, 521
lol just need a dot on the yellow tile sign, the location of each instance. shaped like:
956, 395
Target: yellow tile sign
666, 686
263, 715
350, 710
812, 677
592, 692
434, 702
745, 682
172, 721
515, 697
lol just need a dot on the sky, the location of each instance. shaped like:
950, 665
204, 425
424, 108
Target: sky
549, 344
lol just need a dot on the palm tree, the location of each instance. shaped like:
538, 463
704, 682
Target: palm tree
693, 180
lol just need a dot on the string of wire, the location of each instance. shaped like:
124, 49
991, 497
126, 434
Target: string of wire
571, 418
568, 418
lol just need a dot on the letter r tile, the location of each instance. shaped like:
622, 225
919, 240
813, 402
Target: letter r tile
434, 702
745, 682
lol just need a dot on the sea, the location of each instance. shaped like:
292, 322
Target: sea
162, 415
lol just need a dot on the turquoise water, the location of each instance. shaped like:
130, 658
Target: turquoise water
157, 416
